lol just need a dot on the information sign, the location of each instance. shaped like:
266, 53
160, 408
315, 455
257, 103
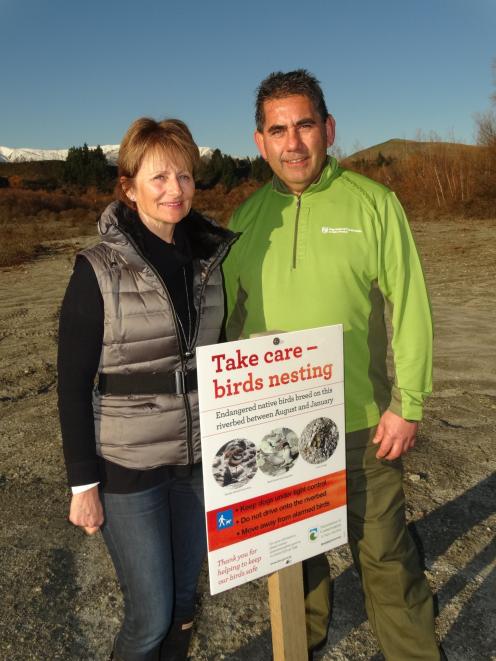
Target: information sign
273, 447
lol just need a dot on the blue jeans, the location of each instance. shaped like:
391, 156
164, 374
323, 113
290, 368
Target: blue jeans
156, 539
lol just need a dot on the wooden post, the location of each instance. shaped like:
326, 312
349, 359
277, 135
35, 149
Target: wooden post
287, 614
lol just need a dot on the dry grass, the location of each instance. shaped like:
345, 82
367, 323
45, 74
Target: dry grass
219, 204
440, 180
28, 219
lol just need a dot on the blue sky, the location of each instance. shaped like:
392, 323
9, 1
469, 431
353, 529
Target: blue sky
75, 72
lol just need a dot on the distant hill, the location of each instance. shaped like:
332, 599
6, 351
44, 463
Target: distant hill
400, 149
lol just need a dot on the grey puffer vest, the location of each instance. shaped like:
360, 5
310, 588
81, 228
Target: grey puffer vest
141, 336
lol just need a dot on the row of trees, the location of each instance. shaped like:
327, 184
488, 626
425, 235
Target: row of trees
230, 172
88, 167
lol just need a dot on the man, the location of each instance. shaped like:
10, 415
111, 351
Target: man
322, 245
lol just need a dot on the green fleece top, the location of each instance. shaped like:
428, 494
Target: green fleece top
338, 253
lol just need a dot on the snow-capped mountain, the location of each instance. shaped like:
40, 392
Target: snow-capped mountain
20, 154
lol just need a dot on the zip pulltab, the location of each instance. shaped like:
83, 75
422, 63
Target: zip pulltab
295, 242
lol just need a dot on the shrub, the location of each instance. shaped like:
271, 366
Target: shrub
27, 219
441, 178
87, 167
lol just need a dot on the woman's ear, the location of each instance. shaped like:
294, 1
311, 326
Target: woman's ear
128, 188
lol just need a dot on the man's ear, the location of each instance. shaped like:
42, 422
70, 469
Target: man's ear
330, 130
259, 141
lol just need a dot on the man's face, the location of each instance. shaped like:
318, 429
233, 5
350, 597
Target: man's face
294, 140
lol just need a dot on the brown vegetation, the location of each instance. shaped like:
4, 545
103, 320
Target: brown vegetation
431, 179
29, 218
219, 203
434, 178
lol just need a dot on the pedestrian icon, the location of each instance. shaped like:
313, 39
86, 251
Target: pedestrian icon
225, 519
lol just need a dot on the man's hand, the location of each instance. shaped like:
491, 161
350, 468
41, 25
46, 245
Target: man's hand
394, 435
86, 511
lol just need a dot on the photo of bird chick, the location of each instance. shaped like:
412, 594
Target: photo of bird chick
278, 451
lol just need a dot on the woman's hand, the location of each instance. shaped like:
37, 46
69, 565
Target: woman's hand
87, 511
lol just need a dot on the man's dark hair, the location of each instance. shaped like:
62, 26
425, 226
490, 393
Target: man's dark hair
279, 85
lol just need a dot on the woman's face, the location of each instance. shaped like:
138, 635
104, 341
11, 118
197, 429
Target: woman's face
163, 192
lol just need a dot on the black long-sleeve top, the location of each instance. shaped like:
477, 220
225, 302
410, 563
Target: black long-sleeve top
80, 344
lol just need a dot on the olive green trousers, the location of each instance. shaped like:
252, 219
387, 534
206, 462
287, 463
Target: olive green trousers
398, 599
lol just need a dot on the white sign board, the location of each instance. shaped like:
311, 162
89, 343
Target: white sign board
273, 445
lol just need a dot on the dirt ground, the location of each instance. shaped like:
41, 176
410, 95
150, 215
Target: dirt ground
59, 598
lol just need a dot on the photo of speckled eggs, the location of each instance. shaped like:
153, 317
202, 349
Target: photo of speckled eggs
319, 440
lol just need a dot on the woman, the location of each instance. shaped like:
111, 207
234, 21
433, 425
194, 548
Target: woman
137, 305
